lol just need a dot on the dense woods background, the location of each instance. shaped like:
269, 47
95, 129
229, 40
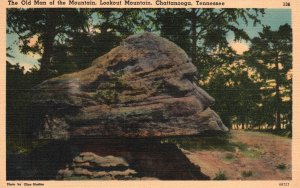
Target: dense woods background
253, 90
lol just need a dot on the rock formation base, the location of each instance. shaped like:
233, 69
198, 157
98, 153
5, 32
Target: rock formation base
105, 159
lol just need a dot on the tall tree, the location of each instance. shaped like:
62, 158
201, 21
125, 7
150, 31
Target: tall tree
207, 30
106, 29
237, 95
173, 25
40, 29
271, 55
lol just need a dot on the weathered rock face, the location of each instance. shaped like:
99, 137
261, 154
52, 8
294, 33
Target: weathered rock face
142, 88
91, 166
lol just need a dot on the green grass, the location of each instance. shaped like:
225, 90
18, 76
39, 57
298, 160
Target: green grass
220, 176
252, 152
217, 142
196, 143
229, 158
282, 132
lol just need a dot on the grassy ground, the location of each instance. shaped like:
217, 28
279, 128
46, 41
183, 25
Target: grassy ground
241, 155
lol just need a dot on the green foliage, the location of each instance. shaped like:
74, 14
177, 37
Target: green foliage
229, 156
202, 33
270, 55
241, 85
19, 127
173, 25
220, 176
237, 96
247, 174
48, 28
257, 88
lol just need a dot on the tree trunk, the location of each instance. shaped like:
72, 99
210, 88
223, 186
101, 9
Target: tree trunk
194, 35
49, 36
277, 95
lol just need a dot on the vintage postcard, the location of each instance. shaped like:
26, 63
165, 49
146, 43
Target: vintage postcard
149, 93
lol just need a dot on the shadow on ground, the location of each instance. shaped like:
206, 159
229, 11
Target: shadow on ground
144, 157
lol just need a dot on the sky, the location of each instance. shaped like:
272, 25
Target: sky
273, 18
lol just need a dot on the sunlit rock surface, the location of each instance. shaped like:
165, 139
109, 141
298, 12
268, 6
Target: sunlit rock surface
142, 88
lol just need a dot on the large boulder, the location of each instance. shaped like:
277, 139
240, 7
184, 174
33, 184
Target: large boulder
142, 88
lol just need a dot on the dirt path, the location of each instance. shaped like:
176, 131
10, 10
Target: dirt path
256, 156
